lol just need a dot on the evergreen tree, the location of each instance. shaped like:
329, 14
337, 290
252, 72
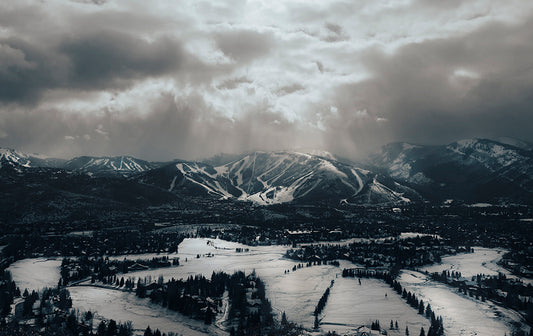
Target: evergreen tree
284, 319
112, 328
406, 331
148, 332
422, 332
421, 308
101, 329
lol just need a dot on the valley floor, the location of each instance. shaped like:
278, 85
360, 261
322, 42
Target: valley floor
295, 292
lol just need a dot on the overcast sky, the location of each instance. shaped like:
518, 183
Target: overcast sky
188, 79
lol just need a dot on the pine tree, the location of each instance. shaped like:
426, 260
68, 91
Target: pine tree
148, 331
406, 331
101, 329
422, 332
112, 328
283, 319
428, 311
421, 308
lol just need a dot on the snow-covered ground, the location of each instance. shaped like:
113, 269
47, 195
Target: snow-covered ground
462, 316
482, 261
405, 235
351, 305
296, 293
36, 273
125, 306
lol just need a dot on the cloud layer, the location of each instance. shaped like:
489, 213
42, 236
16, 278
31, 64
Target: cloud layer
161, 81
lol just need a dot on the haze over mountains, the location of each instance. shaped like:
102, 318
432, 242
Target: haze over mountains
471, 170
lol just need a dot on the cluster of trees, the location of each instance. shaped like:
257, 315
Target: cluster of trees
196, 297
53, 316
436, 328
99, 268
445, 275
394, 253
252, 317
148, 332
111, 328
104, 242
8, 291
114, 280
201, 298
508, 292
321, 304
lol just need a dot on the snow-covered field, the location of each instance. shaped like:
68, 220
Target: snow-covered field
36, 273
482, 261
351, 305
462, 316
124, 306
295, 292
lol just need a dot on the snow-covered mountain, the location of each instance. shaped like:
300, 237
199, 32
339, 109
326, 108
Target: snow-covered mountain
115, 165
28, 160
279, 177
470, 169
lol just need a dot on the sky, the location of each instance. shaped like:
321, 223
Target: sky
189, 79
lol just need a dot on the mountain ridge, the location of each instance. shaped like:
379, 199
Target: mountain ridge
471, 170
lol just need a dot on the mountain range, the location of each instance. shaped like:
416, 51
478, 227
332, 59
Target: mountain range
471, 170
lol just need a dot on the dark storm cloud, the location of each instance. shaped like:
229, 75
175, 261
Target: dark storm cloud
108, 59
96, 61
437, 91
26, 69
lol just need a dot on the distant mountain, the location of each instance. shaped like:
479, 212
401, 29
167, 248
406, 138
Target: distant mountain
116, 165
470, 170
280, 177
102, 166
473, 170
28, 160
30, 195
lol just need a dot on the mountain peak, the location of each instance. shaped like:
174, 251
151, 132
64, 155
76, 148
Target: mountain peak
106, 165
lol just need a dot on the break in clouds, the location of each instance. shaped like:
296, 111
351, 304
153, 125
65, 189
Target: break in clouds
162, 79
